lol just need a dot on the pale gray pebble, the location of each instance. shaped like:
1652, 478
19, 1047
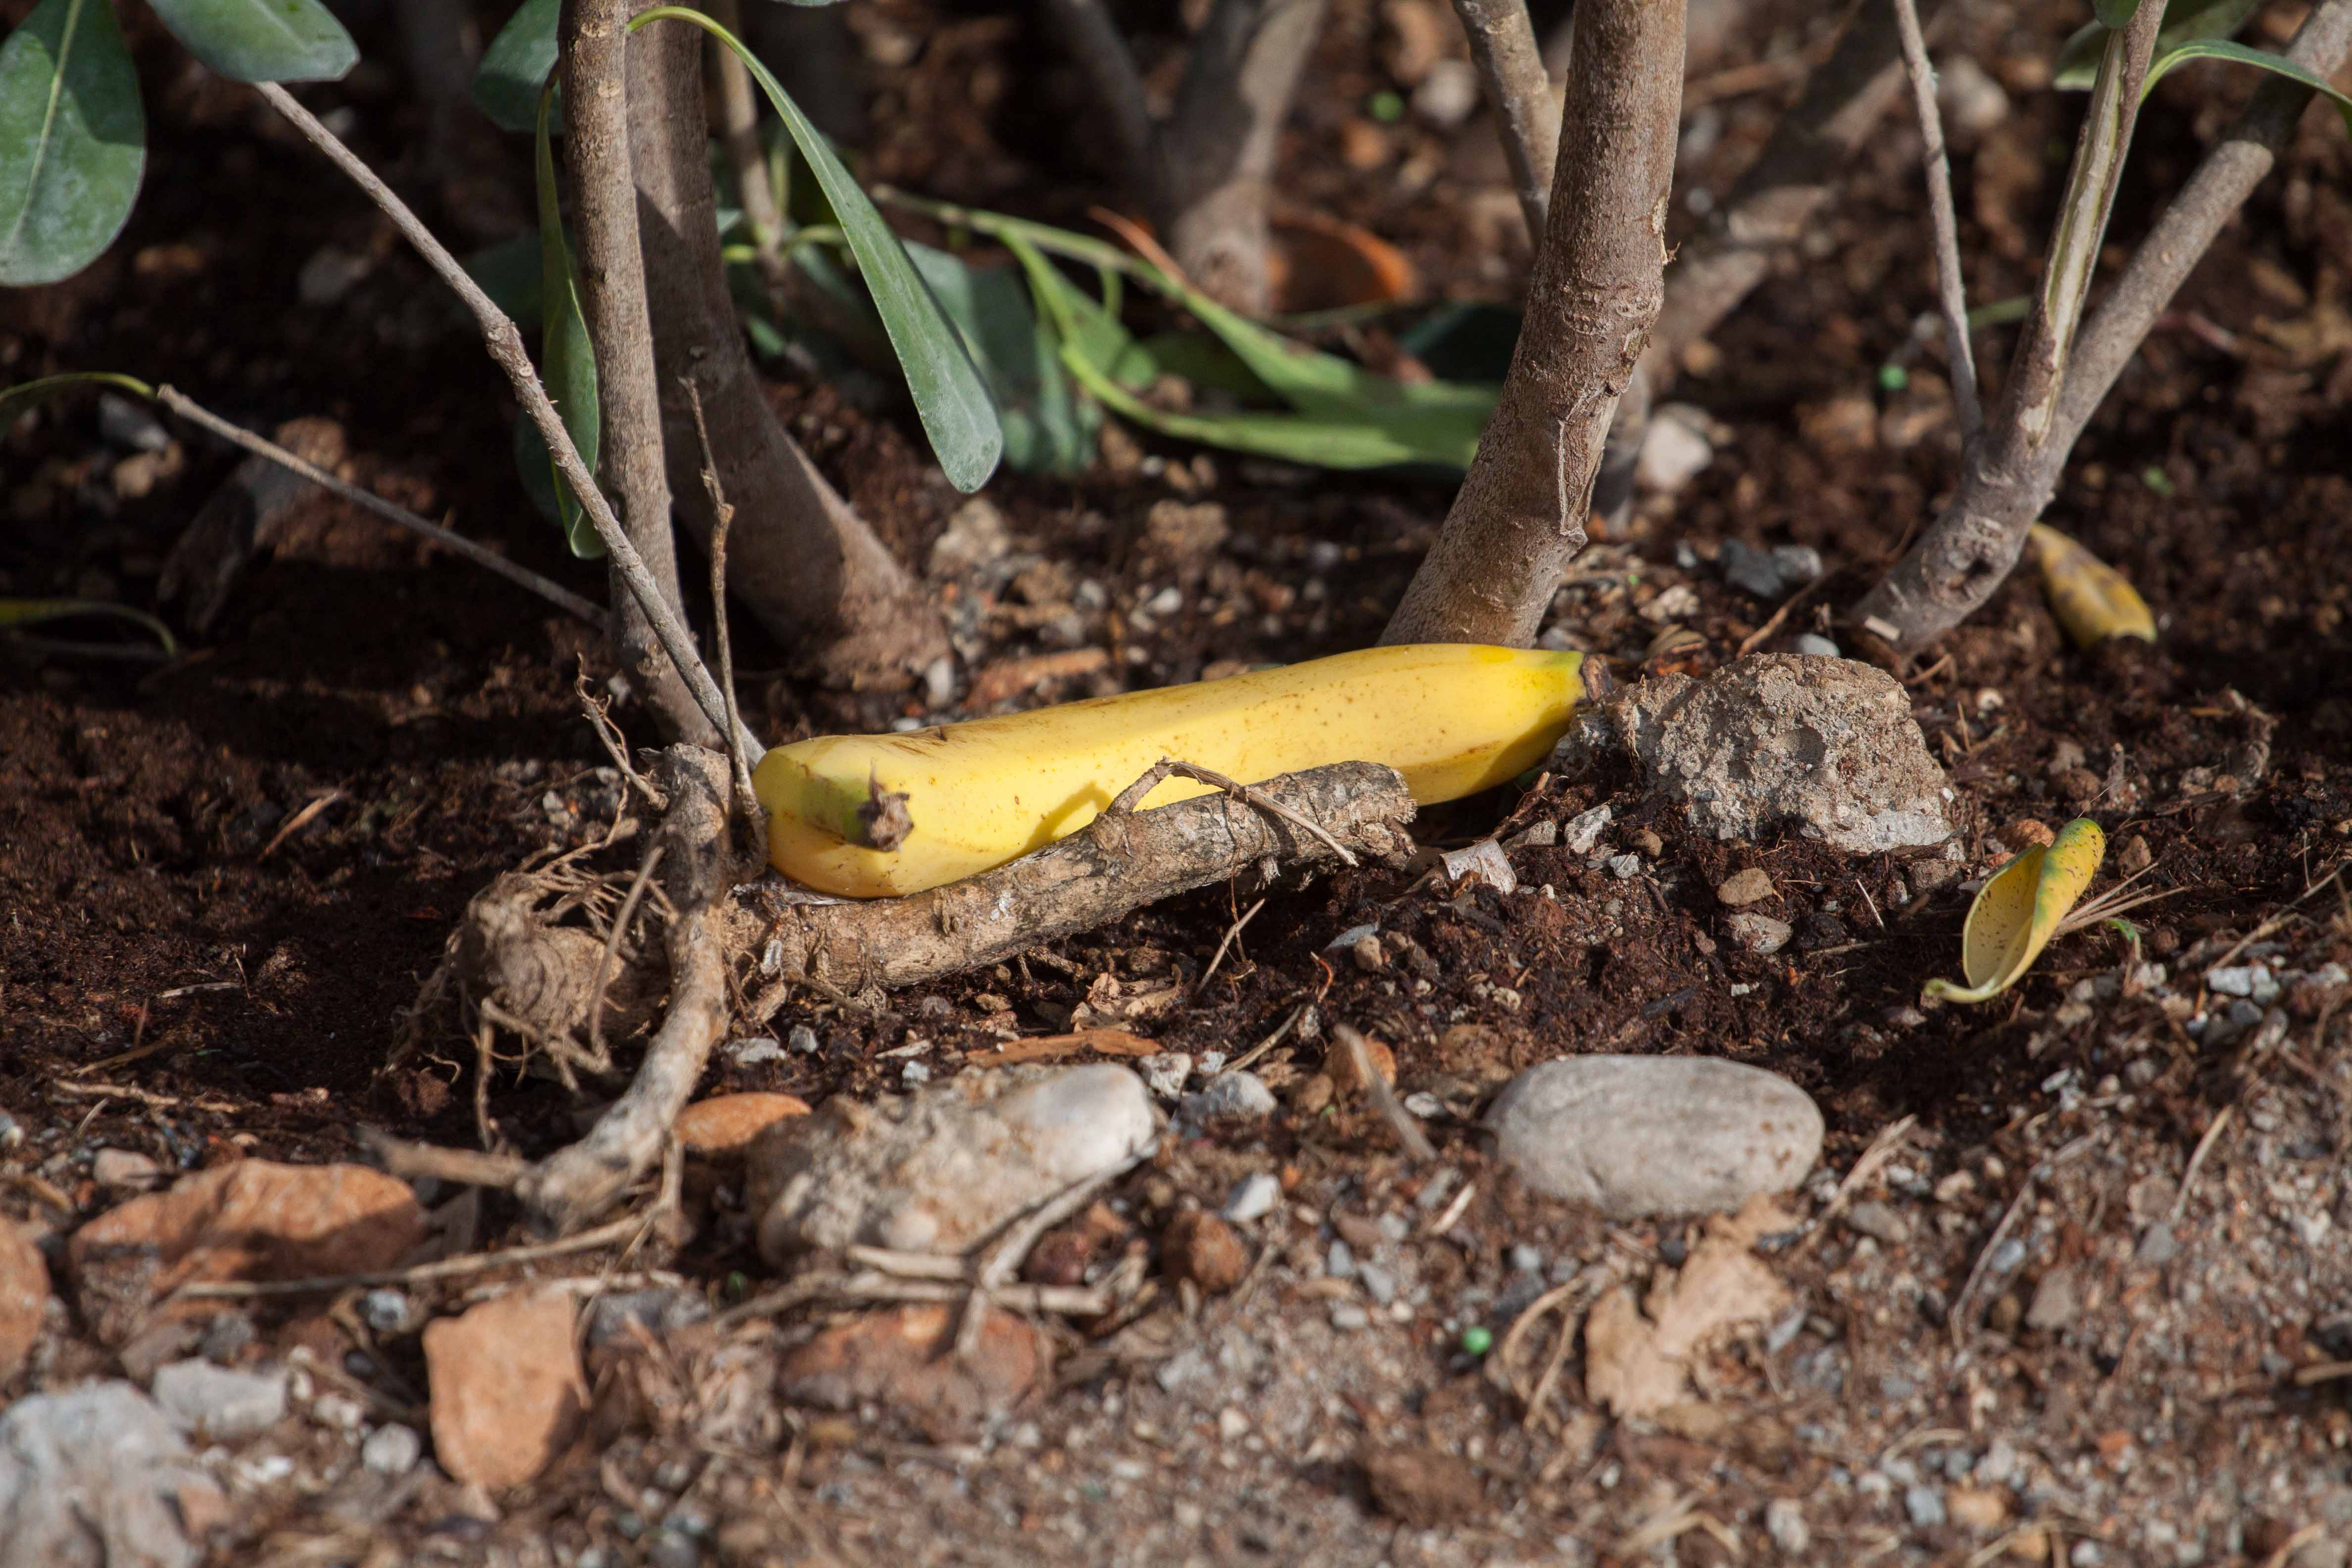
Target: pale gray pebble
1675, 451
1526, 1259
1447, 95
2157, 1245
937, 1170
2005, 1257
392, 1449
1253, 1196
1165, 1072
386, 1311
1584, 831
1640, 1136
1340, 1263
1376, 1281
100, 1455
1623, 866
225, 1338
11, 1133
219, 1403
1815, 646
1769, 574
755, 1050
673, 1548
1231, 1096
1395, 1227
2056, 1302
803, 1039
2087, 1555
1784, 1522
1925, 1505
2236, 981
1879, 1221
124, 1170
1211, 1063
1347, 1315
1423, 1104
1826, 745
913, 1073
1759, 934
1998, 1464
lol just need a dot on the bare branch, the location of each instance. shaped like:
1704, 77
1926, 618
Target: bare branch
2010, 475
553, 593
612, 299
722, 517
1951, 290
1519, 90
505, 344
1519, 516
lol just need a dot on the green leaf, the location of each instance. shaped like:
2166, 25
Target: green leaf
1048, 429
24, 394
2185, 21
517, 65
33, 611
2116, 15
567, 359
2262, 60
262, 40
950, 397
73, 141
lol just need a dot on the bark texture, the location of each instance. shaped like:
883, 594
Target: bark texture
612, 299
799, 557
1599, 281
1219, 146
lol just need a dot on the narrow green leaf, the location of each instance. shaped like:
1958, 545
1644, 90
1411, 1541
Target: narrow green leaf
949, 394
509, 272
14, 400
2116, 15
2185, 21
2262, 60
262, 40
567, 359
517, 65
33, 611
1048, 429
73, 141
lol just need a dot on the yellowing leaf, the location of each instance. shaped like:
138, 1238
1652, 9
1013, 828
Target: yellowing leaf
2091, 599
2017, 913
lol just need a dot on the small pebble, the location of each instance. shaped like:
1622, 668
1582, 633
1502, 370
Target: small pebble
1253, 1196
1816, 646
915, 1073
1623, 866
386, 1311
755, 1050
1784, 1522
1584, 831
1745, 887
1231, 1096
1758, 934
1925, 1505
1526, 1259
1165, 1072
392, 1449
1878, 1221
2157, 1245
1376, 1281
1232, 1425
803, 1039
1346, 1315
1340, 1263
124, 1170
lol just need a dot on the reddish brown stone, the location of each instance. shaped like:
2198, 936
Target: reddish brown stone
724, 1126
1202, 1249
24, 1298
508, 1392
907, 1359
252, 1220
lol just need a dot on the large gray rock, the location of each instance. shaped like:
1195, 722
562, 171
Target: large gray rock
1824, 745
1638, 1136
940, 1170
96, 1477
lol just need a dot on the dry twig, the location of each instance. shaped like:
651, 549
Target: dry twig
1951, 294
1519, 90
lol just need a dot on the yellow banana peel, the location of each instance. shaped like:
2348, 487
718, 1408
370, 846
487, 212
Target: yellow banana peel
2091, 599
2018, 911
877, 816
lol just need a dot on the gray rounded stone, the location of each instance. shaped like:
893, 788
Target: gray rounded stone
1638, 1136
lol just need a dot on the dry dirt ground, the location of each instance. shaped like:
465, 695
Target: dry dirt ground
2088, 1300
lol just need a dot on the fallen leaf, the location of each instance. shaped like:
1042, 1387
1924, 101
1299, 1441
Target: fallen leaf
1637, 1356
1053, 1047
2091, 599
2017, 913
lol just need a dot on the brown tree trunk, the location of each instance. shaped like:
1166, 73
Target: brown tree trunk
1599, 278
612, 299
1218, 149
797, 556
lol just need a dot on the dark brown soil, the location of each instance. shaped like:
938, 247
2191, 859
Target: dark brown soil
161, 931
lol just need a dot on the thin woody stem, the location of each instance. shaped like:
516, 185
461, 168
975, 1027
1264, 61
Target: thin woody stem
1951, 293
